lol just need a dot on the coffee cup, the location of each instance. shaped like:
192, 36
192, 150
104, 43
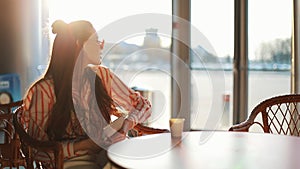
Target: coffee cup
176, 127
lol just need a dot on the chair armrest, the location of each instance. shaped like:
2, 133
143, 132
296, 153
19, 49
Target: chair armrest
144, 130
242, 127
46, 147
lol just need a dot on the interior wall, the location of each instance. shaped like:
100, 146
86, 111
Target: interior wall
12, 67
24, 42
10, 36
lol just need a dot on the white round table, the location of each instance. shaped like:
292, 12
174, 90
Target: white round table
208, 150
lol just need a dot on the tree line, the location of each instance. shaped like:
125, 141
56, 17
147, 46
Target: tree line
276, 51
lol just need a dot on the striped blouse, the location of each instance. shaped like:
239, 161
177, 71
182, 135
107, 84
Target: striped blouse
40, 99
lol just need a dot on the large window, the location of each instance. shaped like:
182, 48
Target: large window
269, 51
212, 66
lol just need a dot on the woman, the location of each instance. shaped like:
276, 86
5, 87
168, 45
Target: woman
74, 100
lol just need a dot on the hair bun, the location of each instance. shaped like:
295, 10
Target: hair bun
59, 26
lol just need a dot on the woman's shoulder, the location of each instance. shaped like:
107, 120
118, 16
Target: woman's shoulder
43, 84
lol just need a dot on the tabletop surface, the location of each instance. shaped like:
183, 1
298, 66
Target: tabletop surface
209, 150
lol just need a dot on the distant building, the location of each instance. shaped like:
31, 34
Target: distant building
151, 39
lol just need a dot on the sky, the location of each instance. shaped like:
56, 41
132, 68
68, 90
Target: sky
102, 12
268, 19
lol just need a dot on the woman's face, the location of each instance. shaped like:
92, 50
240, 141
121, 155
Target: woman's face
93, 49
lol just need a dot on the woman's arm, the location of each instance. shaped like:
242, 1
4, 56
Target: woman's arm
138, 107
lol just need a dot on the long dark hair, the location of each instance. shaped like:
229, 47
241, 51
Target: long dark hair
65, 52
104, 101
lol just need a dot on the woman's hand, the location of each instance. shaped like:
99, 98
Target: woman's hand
127, 125
138, 100
118, 136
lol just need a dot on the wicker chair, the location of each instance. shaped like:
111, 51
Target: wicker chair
279, 115
32, 147
10, 147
